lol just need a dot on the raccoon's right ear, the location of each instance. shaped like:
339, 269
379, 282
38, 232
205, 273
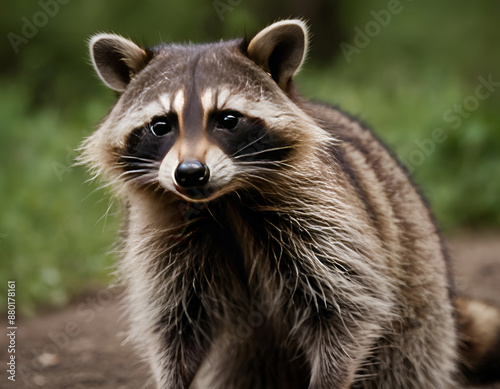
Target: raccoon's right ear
280, 49
116, 59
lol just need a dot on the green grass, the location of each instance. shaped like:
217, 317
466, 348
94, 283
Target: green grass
53, 238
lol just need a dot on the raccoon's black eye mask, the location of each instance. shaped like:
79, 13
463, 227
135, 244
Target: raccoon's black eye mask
161, 126
227, 120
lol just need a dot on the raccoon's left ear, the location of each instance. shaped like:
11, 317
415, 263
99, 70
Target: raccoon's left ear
280, 49
116, 59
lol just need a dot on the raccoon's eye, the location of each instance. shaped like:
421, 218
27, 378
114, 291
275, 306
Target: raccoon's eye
229, 120
160, 127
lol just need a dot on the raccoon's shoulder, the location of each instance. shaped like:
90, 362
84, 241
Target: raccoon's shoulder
351, 131
364, 154
338, 122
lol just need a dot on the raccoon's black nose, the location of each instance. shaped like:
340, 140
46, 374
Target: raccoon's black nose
191, 174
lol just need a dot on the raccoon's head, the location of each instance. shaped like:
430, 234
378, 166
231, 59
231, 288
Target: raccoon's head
200, 120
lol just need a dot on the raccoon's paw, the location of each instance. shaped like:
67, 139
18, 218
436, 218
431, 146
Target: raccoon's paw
479, 337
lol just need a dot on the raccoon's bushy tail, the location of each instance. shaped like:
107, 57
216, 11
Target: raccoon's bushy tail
479, 337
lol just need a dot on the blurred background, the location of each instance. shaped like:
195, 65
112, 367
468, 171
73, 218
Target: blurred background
424, 74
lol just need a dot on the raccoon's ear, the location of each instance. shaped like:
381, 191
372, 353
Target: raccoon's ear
116, 59
280, 49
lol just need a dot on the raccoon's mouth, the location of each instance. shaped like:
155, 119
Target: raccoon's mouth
194, 194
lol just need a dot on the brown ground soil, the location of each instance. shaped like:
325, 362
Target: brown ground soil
81, 346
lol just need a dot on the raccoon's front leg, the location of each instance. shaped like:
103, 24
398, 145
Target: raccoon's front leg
180, 361
179, 353
336, 341
175, 335
331, 366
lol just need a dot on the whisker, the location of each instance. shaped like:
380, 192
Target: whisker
263, 151
265, 165
107, 185
105, 216
128, 172
138, 165
131, 157
248, 145
144, 179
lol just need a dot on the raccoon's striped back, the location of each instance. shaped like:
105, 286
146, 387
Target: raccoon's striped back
399, 212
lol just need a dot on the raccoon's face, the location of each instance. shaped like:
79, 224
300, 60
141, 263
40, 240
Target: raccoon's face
200, 121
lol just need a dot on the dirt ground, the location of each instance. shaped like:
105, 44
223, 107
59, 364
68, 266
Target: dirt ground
82, 346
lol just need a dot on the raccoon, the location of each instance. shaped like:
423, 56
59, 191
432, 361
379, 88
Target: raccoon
270, 241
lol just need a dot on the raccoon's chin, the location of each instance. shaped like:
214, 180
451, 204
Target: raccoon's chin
197, 195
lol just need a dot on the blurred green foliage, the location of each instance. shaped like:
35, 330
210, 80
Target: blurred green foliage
56, 230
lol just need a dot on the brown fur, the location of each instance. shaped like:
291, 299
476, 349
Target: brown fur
307, 260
